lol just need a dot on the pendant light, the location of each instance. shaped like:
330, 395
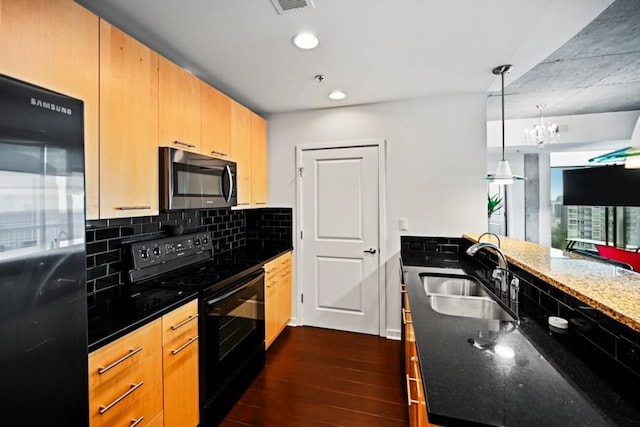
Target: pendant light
503, 174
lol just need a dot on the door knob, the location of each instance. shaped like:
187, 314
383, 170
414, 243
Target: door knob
370, 251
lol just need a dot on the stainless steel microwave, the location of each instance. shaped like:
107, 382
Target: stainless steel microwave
195, 181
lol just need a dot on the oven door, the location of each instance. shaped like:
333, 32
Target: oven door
194, 181
234, 338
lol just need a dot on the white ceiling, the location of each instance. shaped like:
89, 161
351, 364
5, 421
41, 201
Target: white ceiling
375, 50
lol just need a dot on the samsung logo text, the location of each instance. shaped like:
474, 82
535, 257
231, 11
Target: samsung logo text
51, 106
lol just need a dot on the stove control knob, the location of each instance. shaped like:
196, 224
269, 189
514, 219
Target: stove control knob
205, 240
156, 251
144, 253
197, 241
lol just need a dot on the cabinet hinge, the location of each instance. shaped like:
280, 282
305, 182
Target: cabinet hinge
300, 170
300, 234
301, 298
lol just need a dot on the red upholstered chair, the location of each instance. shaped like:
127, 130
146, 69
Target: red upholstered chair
622, 255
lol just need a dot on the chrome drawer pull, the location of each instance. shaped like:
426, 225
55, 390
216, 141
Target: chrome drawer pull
404, 316
183, 346
133, 388
409, 399
189, 319
132, 352
132, 208
184, 143
135, 422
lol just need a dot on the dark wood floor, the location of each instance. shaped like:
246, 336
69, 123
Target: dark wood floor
325, 378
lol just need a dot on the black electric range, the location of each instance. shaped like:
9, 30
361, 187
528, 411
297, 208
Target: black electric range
231, 325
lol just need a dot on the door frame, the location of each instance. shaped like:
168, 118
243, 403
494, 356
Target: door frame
381, 144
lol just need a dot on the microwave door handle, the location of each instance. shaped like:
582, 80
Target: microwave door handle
228, 196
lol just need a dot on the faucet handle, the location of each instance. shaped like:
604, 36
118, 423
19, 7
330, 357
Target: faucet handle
514, 288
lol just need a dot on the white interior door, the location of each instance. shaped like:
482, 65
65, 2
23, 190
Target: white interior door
339, 248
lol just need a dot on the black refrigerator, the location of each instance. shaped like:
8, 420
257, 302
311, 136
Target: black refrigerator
43, 297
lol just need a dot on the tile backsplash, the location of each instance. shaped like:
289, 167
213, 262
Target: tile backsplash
230, 229
274, 224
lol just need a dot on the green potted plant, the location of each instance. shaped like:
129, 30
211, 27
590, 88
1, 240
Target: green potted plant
494, 203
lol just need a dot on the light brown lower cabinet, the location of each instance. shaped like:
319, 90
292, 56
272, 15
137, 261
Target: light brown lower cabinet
180, 358
416, 398
125, 379
277, 299
149, 377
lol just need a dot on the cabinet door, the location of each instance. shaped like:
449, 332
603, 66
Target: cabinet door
179, 94
54, 44
241, 150
270, 309
128, 125
284, 299
259, 161
216, 122
180, 358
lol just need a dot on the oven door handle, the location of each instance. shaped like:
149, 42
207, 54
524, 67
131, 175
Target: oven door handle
236, 290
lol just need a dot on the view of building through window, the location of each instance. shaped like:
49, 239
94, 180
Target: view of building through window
589, 224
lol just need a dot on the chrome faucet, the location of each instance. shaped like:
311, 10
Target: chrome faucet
489, 234
502, 272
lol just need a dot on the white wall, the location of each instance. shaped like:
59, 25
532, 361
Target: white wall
436, 159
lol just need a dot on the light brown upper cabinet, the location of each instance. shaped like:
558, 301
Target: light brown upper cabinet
216, 122
241, 124
54, 44
259, 161
180, 109
128, 125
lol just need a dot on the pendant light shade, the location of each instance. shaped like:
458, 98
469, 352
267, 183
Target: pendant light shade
503, 174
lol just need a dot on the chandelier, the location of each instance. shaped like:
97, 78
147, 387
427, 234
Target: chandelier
542, 132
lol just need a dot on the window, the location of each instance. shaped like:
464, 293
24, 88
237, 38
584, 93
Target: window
615, 226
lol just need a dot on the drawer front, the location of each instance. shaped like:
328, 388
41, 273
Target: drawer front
121, 391
112, 360
271, 280
180, 322
181, 348
282, 262
146, 410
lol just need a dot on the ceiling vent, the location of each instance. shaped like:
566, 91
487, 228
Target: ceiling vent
286, 6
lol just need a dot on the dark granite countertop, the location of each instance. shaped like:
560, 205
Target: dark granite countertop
120, 311
469, 386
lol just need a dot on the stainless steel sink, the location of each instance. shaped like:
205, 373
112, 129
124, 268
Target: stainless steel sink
453, 285
469, 306
462, 295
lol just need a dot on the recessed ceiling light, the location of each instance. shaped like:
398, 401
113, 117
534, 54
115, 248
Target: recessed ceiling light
337, 95
305, 40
